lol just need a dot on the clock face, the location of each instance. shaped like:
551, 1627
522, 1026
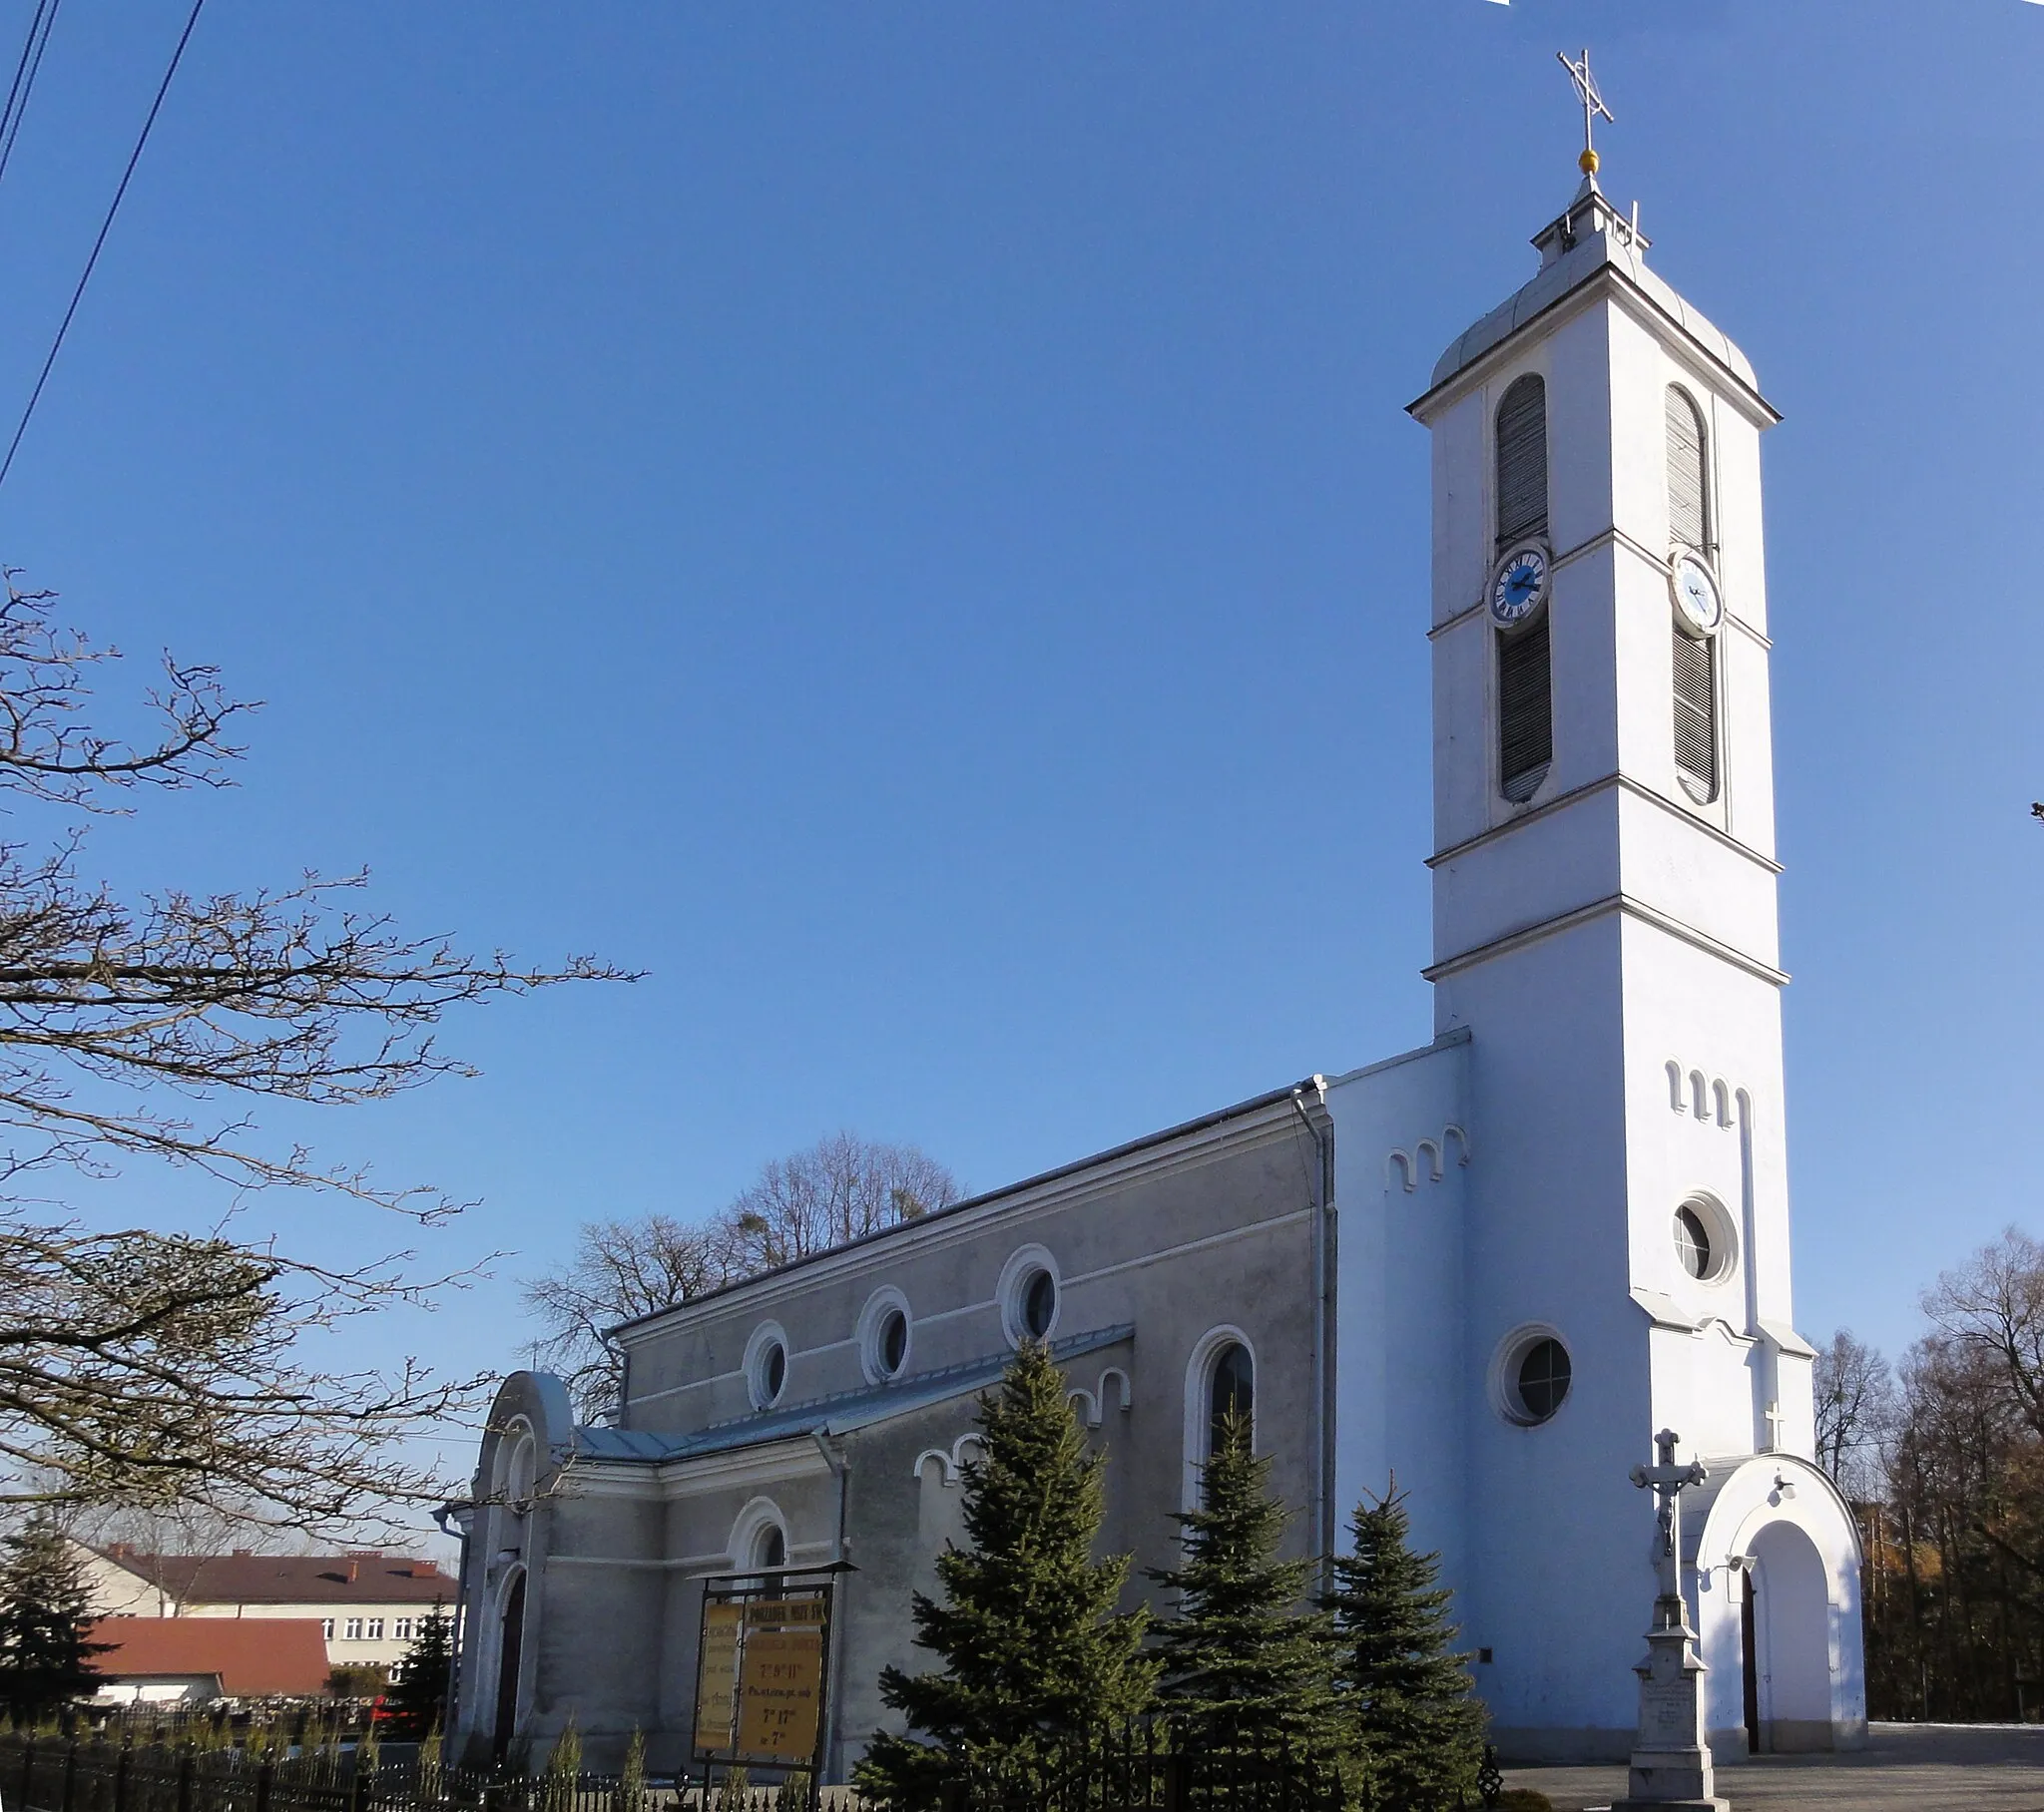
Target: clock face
1697, 597
1520, 586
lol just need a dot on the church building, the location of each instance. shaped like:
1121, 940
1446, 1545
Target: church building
1495, 1266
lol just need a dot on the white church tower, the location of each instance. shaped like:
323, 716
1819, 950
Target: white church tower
1608, 987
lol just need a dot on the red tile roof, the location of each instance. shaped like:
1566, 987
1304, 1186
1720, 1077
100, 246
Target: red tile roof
253, 1657
289, 1579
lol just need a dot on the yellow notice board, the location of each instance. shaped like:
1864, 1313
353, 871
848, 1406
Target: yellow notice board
781, 1694
761, 1680
716, 1676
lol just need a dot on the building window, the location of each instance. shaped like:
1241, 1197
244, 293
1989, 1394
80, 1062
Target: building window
351, 1631
1695, 714
767, 1364
1695, 662
1522, 461
1544, 1379
1029, 1296
1688, 503
375, 1629
401, 1630
883, 1335
327, 1629
1691, 1242
1704, 1241
1531, 1376
1232, 1390
1525, 710
1221, 1375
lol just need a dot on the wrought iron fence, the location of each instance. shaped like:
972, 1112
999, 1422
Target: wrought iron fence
1144, 1767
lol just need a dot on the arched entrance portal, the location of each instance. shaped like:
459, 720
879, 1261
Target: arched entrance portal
509, 1654
1789, 1692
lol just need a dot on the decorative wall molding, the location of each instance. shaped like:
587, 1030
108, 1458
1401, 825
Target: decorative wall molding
948, 1461
1426, 1160
1701, 1097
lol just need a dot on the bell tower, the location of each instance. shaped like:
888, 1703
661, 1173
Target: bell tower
1604, 915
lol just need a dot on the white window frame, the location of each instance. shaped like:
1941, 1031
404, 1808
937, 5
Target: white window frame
400, 1630
327, 1629
351, 1631
375, 1632
1023, 1264
1206, 1354
764, 1337
873, 1319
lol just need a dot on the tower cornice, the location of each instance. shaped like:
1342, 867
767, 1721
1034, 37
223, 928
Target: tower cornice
1598, 269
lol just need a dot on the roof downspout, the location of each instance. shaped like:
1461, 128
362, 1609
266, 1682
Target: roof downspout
1321, 1183
833, 1457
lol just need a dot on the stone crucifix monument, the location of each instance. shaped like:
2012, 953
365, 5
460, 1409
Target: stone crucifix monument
1670, 1765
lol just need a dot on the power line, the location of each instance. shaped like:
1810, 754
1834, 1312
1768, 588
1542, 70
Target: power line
25, 77
106, 227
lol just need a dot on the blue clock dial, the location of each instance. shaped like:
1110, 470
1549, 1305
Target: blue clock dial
1520, 585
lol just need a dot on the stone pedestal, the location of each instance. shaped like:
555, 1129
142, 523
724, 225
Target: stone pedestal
1671, 1764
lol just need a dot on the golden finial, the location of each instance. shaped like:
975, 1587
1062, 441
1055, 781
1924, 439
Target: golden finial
1592, 106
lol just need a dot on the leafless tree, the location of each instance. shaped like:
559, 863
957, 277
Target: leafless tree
142, 1367
839, 1190
1994, 1305
620, 1269
835, 1192
1854, 1390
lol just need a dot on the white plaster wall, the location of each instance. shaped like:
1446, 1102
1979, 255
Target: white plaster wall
1402, 1402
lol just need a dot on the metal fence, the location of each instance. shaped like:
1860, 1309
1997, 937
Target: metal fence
1142, 1766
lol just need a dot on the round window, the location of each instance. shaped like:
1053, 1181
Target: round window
893, 1341
1543, 1378
1693, 1242
1039, 1304
773, 1371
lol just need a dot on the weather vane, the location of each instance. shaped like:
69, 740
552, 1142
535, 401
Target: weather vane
1593, 105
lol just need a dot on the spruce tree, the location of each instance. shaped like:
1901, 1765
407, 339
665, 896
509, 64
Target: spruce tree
418, 1693
1031, 1645
1411, 1704
44, 1607
1247, 1660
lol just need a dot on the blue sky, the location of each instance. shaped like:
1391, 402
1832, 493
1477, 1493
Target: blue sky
899, 521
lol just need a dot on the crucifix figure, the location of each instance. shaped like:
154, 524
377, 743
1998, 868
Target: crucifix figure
1670, 1763
1592, 106
1666, 1480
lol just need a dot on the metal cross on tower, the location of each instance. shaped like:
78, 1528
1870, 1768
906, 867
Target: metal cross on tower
1666, 1480
1592, 106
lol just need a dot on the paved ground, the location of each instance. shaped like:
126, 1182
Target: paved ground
1904, 1768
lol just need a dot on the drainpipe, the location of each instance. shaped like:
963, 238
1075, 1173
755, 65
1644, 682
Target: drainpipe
833, 1457
1323, 1237
462, 1516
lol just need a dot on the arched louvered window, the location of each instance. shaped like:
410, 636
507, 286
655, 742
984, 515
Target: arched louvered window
1688, 503
1525, 710
1695, 662
1695, 714
1522, 461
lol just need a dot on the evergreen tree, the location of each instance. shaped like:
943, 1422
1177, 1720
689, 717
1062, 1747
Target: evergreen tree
1031, 1645
1411, 1704
44, 1607
1247, 1658
418, 1693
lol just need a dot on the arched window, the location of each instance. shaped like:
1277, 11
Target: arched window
1221, 1375
1525, 691
1689, 504
1696, 658
1230, 1387
1522, 461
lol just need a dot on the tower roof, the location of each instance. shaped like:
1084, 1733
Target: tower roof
1590, 242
